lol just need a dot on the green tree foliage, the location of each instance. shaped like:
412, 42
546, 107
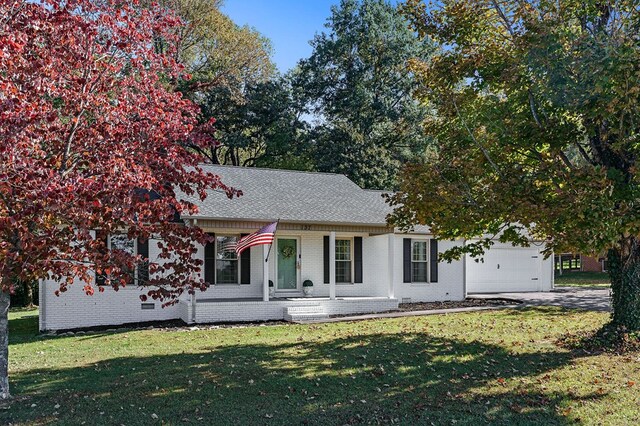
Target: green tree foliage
235, 82
358, 83
536, 130
218, 52
264, 128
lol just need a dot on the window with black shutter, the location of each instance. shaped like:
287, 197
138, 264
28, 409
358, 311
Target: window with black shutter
210, 260
227, 260
420, 260
357, 259
101, 276
245, 265
143, 266
325, 252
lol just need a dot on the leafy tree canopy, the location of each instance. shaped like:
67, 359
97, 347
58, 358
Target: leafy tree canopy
218, 52
234, 81
535, 128
265, 128
358, 83
92, 142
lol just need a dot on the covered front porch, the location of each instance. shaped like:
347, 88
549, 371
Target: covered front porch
335, 260
348, 269
199, 311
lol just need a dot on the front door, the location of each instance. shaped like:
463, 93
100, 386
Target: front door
287, 264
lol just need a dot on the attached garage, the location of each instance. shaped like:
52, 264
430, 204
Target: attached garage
510, 269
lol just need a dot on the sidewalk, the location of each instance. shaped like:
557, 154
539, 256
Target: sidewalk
593, 299
410, 314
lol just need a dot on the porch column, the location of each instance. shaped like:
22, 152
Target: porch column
392, 266
265, 273
332, 265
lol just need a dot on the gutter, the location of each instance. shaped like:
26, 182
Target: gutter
464, 270
295, 222
42, 306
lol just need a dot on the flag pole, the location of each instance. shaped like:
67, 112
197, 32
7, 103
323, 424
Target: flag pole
274, 237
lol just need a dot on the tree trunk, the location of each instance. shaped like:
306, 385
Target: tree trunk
5, 300
28, 289
624, 269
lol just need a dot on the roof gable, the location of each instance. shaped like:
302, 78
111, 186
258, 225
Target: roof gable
291, 196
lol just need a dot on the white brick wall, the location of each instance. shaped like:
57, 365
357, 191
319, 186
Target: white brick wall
274, 310
450, 285
74, 309
312, 264
226, 291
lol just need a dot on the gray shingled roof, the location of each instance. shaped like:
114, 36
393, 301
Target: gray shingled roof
292, 196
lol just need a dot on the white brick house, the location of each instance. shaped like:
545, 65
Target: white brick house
331, 232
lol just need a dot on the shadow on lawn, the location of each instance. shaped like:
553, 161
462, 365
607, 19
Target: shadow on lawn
411, 378
25, 328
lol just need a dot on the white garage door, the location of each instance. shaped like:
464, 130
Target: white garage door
505, 270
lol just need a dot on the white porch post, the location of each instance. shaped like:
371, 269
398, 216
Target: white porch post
265, 273
392, 266
332, 265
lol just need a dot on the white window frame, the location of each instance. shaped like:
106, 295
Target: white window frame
215, 271
135, 253
427, 241
351, 260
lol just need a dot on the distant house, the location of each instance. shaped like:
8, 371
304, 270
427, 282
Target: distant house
570, 262
331, 233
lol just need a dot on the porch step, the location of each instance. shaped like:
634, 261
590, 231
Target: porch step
304, 313
304, 309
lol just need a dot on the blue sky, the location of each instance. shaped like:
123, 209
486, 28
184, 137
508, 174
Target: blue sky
290, 24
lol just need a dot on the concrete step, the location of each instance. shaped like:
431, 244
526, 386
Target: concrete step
301, 317
304, 313
305, 309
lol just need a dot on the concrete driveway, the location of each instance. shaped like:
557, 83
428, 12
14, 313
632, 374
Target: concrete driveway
593, 299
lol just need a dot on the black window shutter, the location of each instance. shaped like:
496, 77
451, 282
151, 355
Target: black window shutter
406, 260
326, 259
210, 260
433, 263
143, 266
101, 277
245, 265
357, 259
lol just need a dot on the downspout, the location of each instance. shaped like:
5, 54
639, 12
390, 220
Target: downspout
193, 308
42, 305
553, 270
464, 270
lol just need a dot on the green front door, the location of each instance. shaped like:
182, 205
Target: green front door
287, 264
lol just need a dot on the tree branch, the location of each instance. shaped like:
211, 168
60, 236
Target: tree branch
506, 22
482, 148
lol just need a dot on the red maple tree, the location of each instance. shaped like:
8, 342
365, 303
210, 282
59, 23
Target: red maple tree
93, 141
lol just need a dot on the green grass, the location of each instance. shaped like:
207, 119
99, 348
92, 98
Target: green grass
500, 367
583, 279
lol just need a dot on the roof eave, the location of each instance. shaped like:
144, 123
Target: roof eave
309, 222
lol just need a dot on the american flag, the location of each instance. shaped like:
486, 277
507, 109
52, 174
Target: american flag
263, 235
229, 244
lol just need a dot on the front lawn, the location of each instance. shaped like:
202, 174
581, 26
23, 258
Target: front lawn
583, 279
501, 367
